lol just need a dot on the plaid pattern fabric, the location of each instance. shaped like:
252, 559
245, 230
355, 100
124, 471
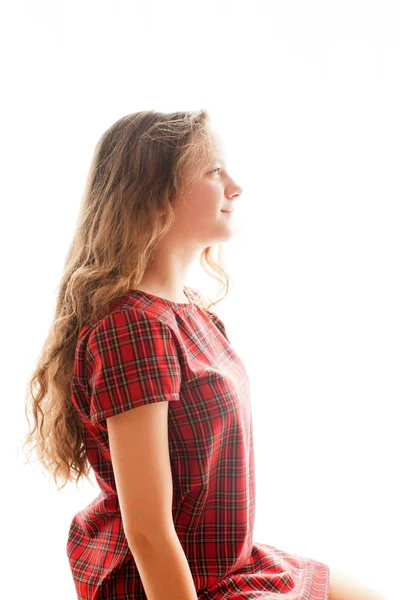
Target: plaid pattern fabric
149, 349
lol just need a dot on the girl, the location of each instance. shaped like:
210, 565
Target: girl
138, 381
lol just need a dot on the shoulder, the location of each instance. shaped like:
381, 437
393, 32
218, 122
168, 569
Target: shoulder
126, 325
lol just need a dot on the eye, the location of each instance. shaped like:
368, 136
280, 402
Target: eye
217, 169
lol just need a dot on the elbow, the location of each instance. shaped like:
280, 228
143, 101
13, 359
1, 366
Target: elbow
157, 533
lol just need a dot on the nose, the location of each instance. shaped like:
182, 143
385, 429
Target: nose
238, 191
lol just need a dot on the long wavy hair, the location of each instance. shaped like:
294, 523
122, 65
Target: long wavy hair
140, 171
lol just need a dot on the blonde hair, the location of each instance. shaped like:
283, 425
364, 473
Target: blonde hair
141, 169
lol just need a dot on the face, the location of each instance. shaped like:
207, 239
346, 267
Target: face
201, 217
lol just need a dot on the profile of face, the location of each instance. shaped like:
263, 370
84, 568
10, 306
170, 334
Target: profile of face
202, 217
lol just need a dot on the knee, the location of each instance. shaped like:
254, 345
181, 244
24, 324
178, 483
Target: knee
343, 587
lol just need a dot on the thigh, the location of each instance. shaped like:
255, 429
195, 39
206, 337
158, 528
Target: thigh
343, 587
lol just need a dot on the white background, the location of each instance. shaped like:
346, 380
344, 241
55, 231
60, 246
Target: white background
305, 96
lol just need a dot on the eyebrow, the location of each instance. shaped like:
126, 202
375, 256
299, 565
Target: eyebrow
220, 160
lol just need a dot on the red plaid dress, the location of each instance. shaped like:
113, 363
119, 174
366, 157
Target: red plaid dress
150, 349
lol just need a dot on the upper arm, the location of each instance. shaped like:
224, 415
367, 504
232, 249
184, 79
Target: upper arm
133, 372
132, 360
138, 441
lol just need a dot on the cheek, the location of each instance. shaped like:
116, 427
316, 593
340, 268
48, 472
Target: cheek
203, 206
203, 203
210, 199
207, 210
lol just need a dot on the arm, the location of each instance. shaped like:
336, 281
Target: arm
138, 440
163, 567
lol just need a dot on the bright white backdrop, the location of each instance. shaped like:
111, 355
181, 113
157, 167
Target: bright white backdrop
305, 96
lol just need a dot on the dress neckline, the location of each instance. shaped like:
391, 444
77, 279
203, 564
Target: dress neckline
166, 301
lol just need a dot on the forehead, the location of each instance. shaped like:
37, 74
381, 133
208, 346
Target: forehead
216, 152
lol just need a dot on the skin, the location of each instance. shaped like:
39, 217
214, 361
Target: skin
344, 587
199, 223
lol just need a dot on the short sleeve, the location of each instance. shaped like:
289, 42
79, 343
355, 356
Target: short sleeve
132, 359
